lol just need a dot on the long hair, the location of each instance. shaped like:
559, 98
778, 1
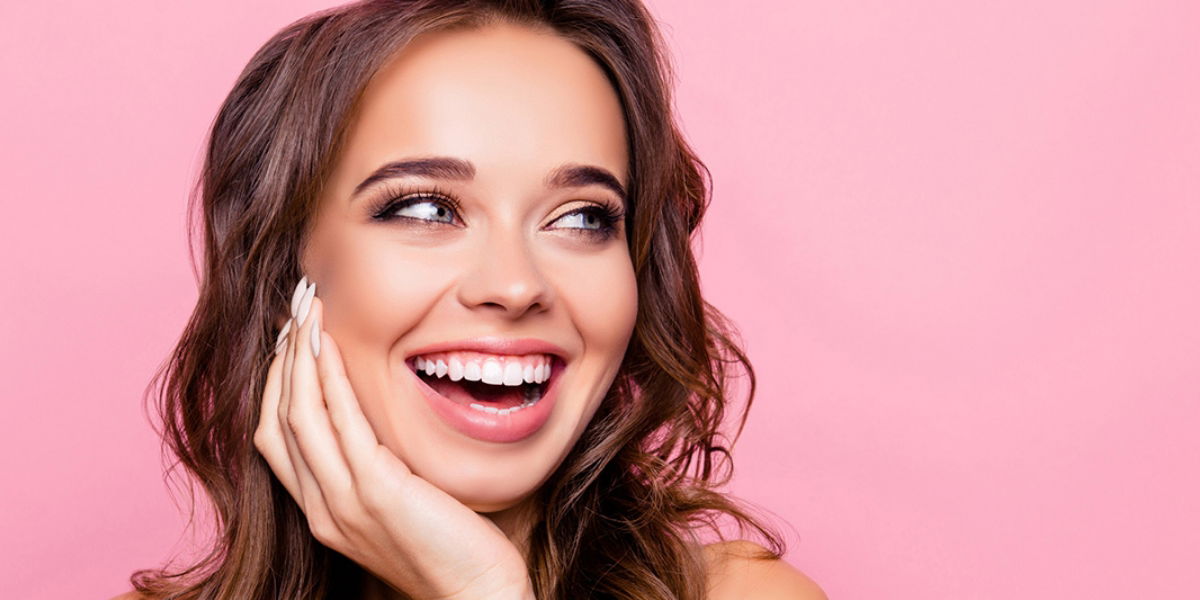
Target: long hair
623, 510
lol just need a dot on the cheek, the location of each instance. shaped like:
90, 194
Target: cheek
611, 308
377, 290
602, 302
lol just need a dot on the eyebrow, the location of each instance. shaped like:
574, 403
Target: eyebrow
443, 167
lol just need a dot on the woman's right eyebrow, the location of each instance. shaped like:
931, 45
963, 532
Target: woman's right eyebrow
437, 167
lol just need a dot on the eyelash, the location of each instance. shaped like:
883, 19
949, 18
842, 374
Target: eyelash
393, 199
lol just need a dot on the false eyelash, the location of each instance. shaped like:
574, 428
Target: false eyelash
393, 198
609, 217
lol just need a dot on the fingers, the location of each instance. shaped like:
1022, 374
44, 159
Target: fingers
312, 430
269, 437
308, 417
306, 484
354, 434
324, 478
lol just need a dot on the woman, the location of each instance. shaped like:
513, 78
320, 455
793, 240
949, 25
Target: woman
496, 377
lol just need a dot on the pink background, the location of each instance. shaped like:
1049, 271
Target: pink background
960, 239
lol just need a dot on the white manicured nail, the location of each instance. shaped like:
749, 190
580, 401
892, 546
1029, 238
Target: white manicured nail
299, 293
316, 336
305, 304
281, 341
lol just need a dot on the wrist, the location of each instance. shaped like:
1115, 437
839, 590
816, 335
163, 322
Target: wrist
521, 592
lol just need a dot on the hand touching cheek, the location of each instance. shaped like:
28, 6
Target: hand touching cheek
360, 498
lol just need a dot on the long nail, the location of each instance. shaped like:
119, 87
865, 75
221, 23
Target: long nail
305, 303
316, 336
280, 341
296, 295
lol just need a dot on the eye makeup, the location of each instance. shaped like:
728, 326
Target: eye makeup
392, 198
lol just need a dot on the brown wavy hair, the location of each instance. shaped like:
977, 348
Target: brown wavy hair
623, 510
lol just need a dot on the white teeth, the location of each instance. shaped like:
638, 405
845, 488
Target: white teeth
512, 374
472, 372
491, 371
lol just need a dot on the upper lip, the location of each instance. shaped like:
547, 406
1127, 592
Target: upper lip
495, 345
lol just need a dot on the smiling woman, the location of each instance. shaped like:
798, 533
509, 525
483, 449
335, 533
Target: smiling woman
507, 384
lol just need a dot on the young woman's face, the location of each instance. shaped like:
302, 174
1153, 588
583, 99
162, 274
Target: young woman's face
499, 236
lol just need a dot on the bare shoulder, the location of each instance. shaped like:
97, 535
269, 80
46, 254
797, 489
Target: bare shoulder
132, 596
735, 573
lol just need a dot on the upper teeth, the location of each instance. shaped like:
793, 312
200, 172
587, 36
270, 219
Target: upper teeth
491, 369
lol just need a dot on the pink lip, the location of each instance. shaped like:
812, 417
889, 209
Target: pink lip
495, 345
509, 428
490, 427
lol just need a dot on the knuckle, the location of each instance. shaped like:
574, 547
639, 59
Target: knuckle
323, 530
373, 500
337, 506
295, 422
335, 421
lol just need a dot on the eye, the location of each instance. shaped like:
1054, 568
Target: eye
422, 206
425, 208
597, 221
586, 219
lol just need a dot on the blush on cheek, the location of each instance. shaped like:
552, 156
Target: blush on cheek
608, 308
385, 294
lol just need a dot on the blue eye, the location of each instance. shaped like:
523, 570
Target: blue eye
423, 208
595, 220
419, 207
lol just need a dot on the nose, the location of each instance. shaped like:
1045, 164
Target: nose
505, 277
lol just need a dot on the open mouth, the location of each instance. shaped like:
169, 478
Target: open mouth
484, 387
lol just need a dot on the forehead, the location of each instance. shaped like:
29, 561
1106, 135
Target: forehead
512, 100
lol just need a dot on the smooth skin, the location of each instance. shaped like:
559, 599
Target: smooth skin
429, 512
362, 501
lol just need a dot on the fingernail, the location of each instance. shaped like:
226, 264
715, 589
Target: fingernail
296, 295
279, 341
305, 304
316, 336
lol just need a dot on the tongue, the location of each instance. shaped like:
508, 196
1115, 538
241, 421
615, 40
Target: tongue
467, 392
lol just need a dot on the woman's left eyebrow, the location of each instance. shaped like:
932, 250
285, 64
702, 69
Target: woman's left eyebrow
574, 175
445, 167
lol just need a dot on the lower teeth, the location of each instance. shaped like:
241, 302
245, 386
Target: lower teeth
533, 394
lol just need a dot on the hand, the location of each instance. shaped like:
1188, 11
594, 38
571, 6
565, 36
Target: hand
360, 498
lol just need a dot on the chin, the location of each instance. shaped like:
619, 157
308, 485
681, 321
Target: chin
482, 485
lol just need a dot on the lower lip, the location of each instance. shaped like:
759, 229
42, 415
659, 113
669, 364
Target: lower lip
488, 427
